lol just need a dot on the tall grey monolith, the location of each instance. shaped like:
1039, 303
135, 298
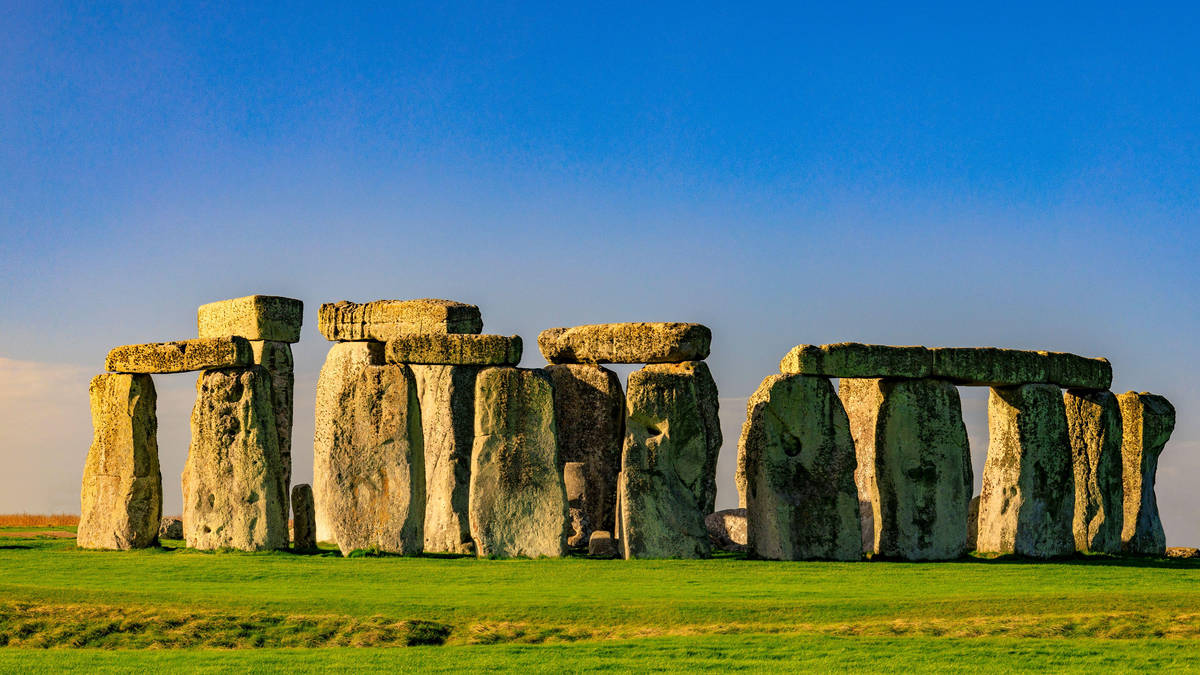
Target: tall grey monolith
447, 395
1094, 429
1147, 421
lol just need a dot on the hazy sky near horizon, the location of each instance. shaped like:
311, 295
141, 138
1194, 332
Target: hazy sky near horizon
1016, 176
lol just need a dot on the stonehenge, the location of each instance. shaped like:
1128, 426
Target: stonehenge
430, 438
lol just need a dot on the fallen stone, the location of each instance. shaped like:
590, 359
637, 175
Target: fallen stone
304, 530
383, 320
455, 349
852, 359
973, 523
602, 545
343, 365
1094, 430
1147, 423
727, 529
276, 357
518, 504
447, 395
626, 343
797, 456
170, 528
668, 463
589, 410
1182, 552
254, 317
1028, 498
920, 485
181, 356
375, 489
121, 498
233, 491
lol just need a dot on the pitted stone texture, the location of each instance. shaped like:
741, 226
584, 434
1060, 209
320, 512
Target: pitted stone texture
447, 396
518, 503
181, 356
375, 494
276, 357
121, 499
343, 365
668, 463
626, 343
383, 320
575, 484
973, 523
797, 456
1094, 429
727, 529
170, 528
915, 465
455, 349
589, 409
233, 491
304, 526
852, 359
1028, 498
254, 317
1147, 422
602, 545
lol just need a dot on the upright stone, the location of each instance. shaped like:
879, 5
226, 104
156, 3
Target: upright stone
121, 499
254, 317
1148, 421
862, 398
973, 524
668, 462
233, 491
447, 395
914, 465
1094, 429
575, 482
797, 456
1028, 497
375, 489
276, 357
589, 409
518, 504
304, 533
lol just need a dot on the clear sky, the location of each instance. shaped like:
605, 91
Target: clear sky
1011, 175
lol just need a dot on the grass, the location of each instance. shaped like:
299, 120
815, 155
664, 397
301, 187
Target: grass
120, 610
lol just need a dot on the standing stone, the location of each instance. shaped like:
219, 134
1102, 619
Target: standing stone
973, 523
342, 367
668, 462
304, 533
233, 492
797, 455
727, 529
447, 395
862, 399
1094, 429
518, 504
276, 357
575, 483
121, 499
589, 409
375, 494
1148, 421
914, 465
1028, 497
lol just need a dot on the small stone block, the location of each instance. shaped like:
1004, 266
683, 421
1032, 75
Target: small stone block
181, 356
602, 545
254, 317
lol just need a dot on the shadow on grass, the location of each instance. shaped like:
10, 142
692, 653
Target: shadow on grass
15, 547
1093, 560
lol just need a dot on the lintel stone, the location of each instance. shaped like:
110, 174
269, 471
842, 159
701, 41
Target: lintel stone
383, 320
254, 317
626, 343
180, 356
455, 349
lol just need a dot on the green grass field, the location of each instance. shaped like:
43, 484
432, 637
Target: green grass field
65, 609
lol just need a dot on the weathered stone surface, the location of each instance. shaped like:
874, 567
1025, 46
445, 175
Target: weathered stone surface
383, 320
973, 523
626, 343
1147, 423
602, 545
276, 357
121, 498
1094, 430
233, 491
866, 519
852, 359
180, 356
343, 365
518, 503
1028, 497
797, 456
589, 409
170, 528
455, 349
727, 529
254, 317
447, 396
914, 464
375, 489
1182, 552
862, 399
304, 526
668, 463
575, 483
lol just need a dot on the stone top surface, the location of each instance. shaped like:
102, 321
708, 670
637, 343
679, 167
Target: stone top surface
181, 356
626, 343
382, 320
454, 349
254, 317
971, 366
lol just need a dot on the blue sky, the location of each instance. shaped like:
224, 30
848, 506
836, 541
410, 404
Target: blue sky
1012, 175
